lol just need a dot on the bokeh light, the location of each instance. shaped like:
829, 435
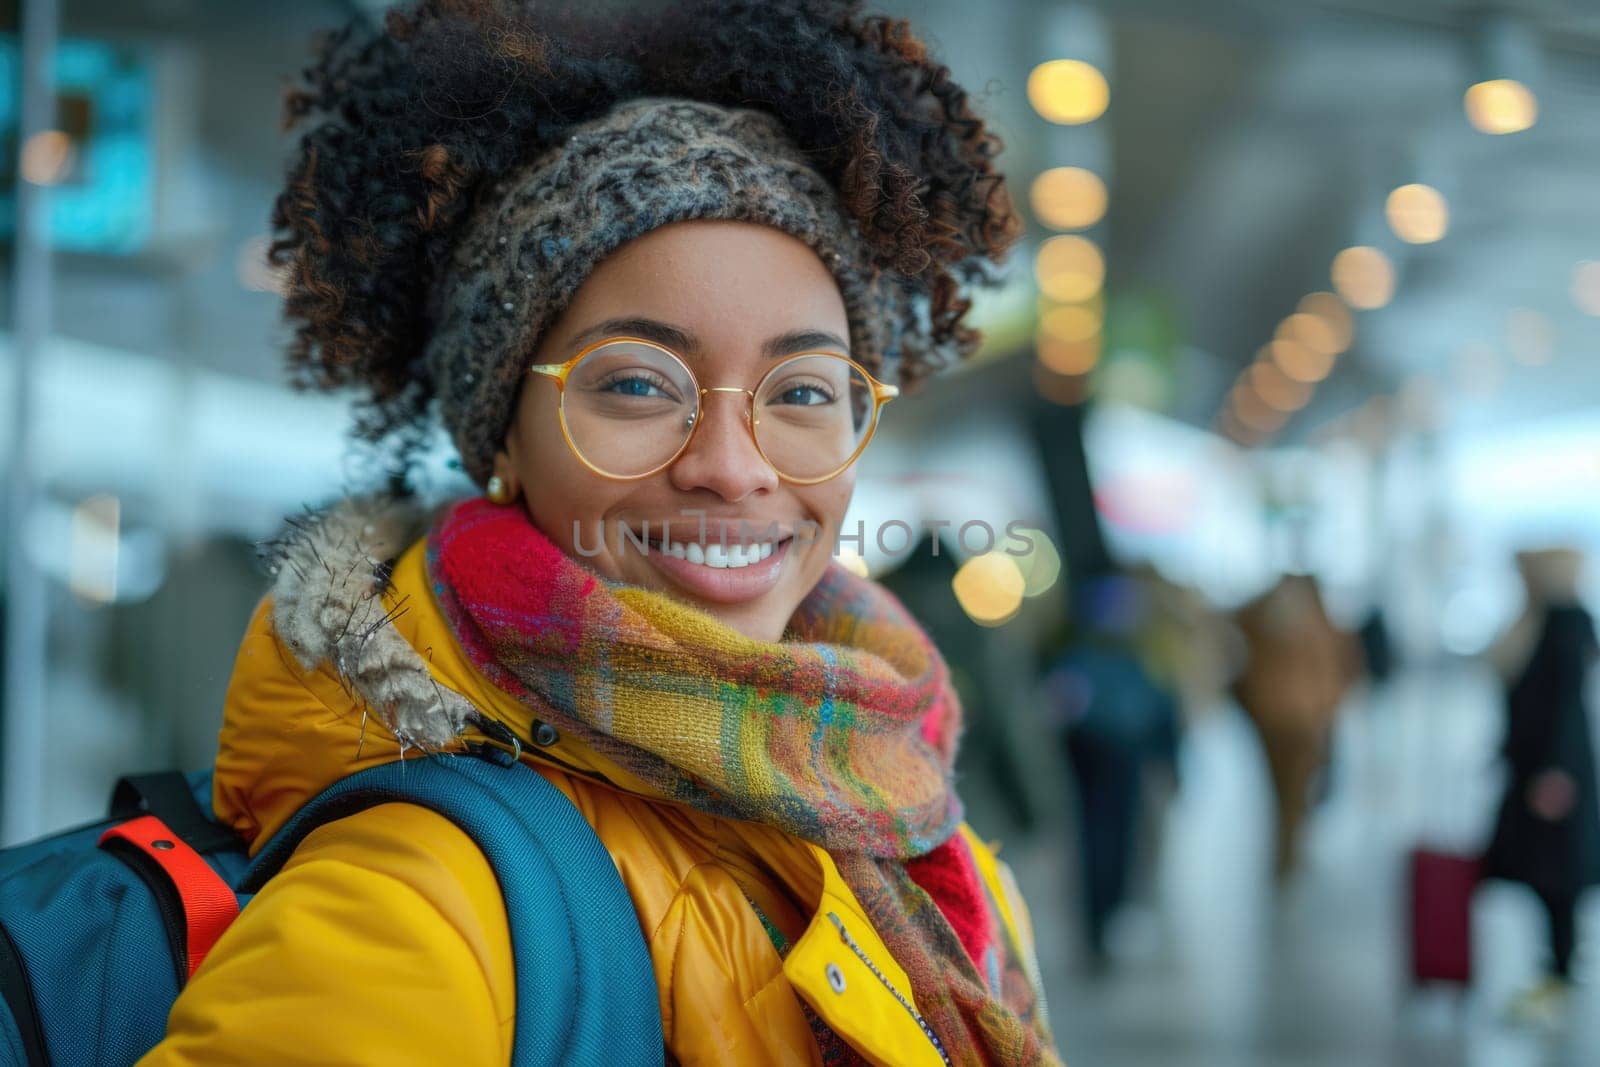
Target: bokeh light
1069, 269
1071, 322
1335, 313
1068, 198
989, 588
1068, 357
1254, 412
1312, 331
1040, 565
1280, 392
1298, 362
47, 157
1502, 105
1069, 92
1364, 277
92, 555
1418, 214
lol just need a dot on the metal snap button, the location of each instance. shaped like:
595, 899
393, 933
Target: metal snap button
835, 978
162, 843
544, 735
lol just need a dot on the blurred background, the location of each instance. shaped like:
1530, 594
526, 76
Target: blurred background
1293, 389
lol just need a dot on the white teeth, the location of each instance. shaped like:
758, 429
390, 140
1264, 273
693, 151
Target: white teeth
716, 555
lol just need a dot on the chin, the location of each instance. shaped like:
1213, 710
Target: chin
757, 622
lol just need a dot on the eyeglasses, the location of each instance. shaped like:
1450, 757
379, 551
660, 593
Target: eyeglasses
629, 408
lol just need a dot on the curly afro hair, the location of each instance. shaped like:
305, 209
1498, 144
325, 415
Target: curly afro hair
404, 123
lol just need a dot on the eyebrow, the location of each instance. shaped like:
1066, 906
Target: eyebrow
681, 340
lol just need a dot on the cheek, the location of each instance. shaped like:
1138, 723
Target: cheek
558, 489
827, 504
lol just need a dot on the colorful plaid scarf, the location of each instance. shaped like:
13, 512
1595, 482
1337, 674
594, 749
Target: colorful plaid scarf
772, 732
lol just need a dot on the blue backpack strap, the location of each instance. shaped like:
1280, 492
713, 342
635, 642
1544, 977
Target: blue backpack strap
586, 988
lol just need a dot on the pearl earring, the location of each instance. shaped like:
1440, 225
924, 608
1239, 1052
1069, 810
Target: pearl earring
498, 491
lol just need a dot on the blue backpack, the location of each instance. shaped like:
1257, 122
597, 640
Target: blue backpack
95, 923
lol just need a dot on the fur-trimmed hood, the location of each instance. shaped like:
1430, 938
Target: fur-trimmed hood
331, 569
348, 661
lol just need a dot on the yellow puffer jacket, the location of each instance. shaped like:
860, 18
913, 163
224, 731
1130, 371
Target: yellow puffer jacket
384, 939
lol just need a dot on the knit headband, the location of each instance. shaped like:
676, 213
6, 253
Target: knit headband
650, 161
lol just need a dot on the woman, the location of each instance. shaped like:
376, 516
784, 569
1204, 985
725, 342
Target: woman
1547, 834
660, 273
1297, 672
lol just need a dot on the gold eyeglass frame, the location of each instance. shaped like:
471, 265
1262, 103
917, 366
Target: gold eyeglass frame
882, 393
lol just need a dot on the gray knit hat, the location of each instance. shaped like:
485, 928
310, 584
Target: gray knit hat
648, 162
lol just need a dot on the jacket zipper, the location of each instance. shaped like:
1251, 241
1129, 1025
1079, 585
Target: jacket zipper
922, 1023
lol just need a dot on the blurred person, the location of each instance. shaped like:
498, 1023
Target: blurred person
646, 267
1547, 835
1297, 670
1116, 715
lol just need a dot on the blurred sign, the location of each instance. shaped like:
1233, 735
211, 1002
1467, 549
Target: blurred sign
99, 160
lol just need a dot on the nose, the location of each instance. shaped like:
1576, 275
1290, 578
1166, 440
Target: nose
721, 455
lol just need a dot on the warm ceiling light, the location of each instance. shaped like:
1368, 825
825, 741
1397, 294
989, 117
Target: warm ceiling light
1586, 287
1068, 91
1364, 277
1298, 362
1071, 322
1418, 214
1331, 310
1501, 106
1068, 357
1069, 269
1068, 198
989, 588
1312, 331
1281, 392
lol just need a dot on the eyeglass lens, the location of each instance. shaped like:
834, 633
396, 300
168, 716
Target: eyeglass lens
630, 407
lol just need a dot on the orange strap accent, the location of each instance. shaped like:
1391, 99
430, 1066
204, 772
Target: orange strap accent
209, 903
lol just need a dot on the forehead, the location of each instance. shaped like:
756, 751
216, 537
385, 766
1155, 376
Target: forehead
722, 283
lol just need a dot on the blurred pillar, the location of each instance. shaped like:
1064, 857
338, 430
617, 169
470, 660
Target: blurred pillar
27, 595
1058, 432
1078, 32
1506, 45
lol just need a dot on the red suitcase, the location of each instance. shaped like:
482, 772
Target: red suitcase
1442, 885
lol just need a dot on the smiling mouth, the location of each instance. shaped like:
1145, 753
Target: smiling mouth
716, 555
714, 572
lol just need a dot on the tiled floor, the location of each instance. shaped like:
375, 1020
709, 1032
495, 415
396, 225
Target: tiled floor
1211, 967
